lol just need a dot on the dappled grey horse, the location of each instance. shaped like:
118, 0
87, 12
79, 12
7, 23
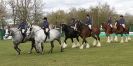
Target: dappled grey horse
40, 37
17, 38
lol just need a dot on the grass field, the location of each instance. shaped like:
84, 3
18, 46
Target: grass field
114, 54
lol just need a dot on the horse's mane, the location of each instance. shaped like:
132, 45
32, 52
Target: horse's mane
14, 29
83, 24
68, 26
36, 26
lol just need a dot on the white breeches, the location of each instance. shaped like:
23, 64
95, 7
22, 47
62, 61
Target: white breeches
47, 29
123, 25
89, 26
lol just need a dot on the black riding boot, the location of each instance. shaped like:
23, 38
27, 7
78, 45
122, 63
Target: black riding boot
23, 37
47, 34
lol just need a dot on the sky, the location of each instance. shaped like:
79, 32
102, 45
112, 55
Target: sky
120, 6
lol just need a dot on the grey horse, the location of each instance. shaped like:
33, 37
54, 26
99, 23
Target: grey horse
17, 38
40, 37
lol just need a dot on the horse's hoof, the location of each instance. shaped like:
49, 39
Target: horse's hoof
129, 38
108, 42
122, 42
87, 46
98, 46
42, 53
29, 52
77, 46
64, 45
38, 52
74, 46
18, 53
49, 52
62, 51
81, 47
126, 41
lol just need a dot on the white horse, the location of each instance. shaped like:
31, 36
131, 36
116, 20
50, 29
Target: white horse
17, 37
40, 37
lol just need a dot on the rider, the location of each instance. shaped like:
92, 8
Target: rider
110, 21
23, 28
45, 26
122, 21
89, 21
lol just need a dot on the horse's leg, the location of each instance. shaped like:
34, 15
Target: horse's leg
82, 46
52, 46
126, 37
38, 47
108, 38
129, 38
122, 40
111, 38
60, 44
87, 45
42, 47
99, 44
78, 44
73, 44
16, 48
64, 44
32, 46
116, 38
96, 41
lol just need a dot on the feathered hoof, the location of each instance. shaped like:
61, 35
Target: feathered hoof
81, 47
64, 45
87, 46
74, 46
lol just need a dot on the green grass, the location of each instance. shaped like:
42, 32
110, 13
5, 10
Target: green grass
114, 54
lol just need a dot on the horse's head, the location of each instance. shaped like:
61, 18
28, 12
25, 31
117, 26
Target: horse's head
104, 25
7, 33
63, 27
10, 32
78, 25
118, 25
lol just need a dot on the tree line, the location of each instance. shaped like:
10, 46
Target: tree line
33, 11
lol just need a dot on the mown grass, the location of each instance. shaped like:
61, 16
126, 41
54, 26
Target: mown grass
114, 54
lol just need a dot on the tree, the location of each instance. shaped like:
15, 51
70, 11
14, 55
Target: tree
57, 17
13, 7
2, 13
37, 11
26, 10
